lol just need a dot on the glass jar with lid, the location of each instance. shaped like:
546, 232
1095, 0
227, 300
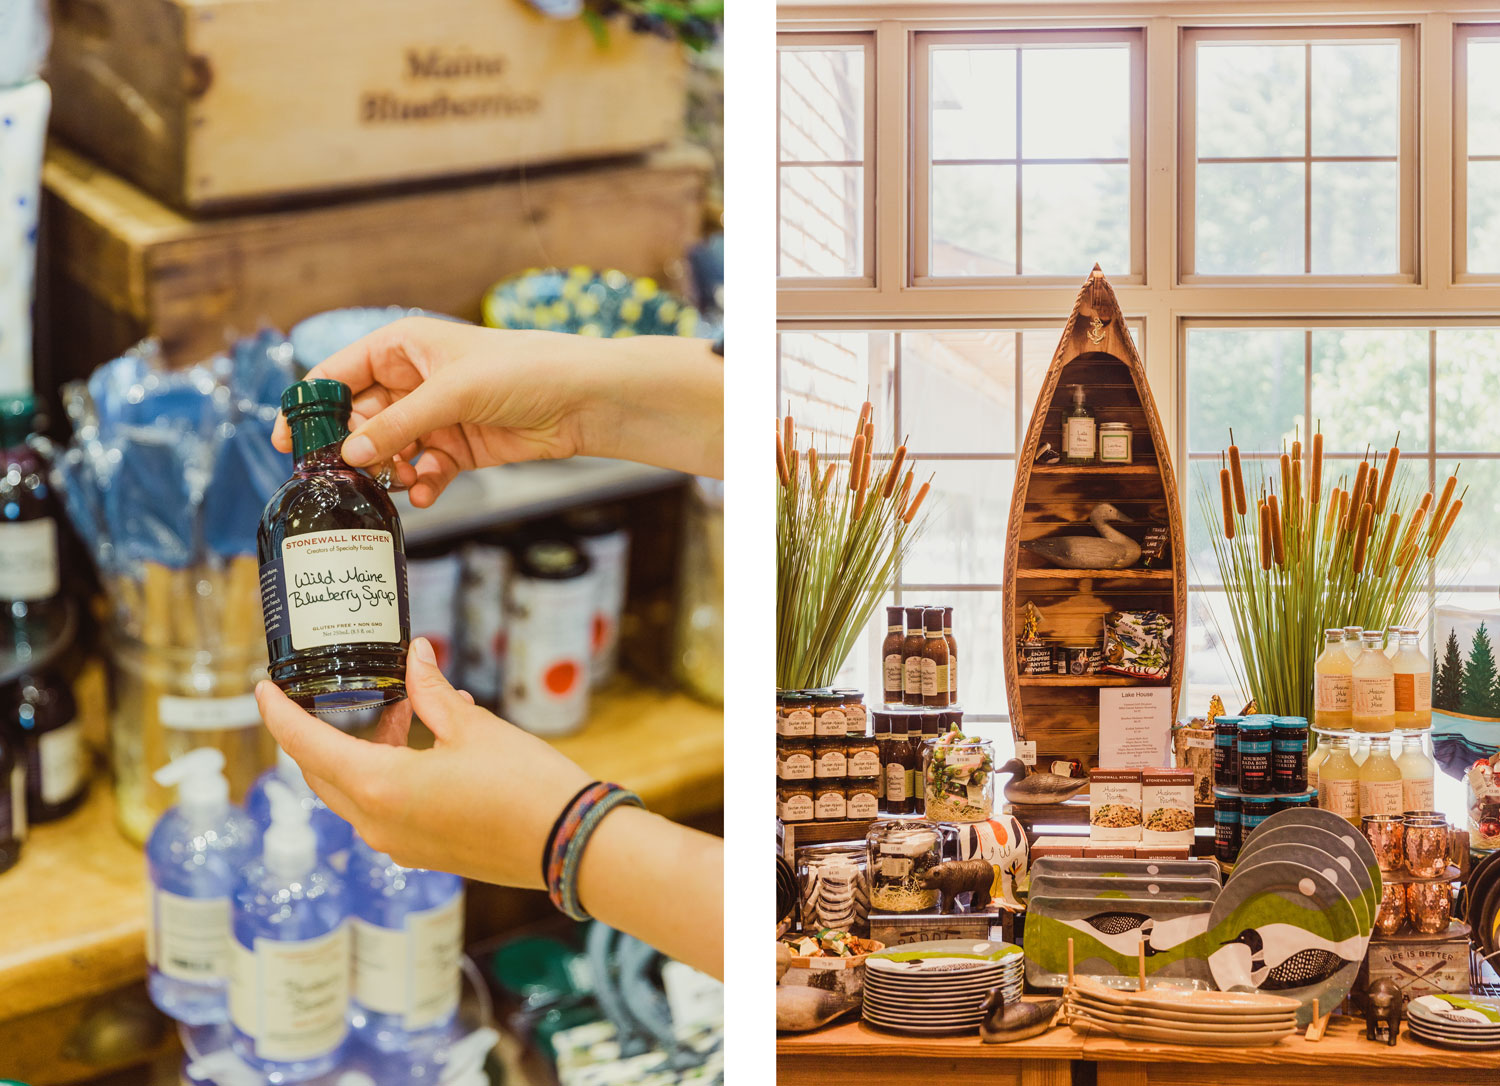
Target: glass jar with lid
862, 798
958, 778
796, 716
830, 801
855, 716
862, 757
1115, 443
794, 801
834, 886
794, 758
901, 854
828, 715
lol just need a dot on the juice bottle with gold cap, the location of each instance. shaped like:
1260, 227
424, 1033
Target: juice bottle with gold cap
1380, 788
1413, 682
1374, 687
1338, 780
1333, 677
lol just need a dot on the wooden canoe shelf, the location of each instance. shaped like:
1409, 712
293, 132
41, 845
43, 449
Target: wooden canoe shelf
1060, 713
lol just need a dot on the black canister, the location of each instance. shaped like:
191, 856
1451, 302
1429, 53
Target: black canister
1226, 758
1289, 754
1295, 800
1254, 750
1226, 825
1253, 811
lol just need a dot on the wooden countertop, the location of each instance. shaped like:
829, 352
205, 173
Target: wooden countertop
73, 908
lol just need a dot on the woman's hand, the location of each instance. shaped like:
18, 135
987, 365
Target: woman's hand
439, 397
480, 803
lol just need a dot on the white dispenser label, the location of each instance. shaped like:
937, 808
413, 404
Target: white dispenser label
64, 761
300, 994
192, 937
28, 560
341, 588
207, 714
1080, 438
412, 971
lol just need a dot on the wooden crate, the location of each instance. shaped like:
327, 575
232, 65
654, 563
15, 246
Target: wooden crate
119, 265
213, 102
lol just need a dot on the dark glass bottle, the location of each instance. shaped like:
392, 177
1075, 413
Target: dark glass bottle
890, 656
12, 800
934, 661
29, 581
332, 567
952, 656
911, 657
52, 745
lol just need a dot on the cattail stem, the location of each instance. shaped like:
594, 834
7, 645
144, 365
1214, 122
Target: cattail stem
1362, 537
1265, 536
782, 474
1437, 541
895, 471
1286, 477
1237, 476
864, 471
812, 462
1278, 541
792, 466
1357, 495
1296, 494
916, 503
1387, 476
1226, 492
1442, 505
856, 461
788, 435
905, 487
1315, 475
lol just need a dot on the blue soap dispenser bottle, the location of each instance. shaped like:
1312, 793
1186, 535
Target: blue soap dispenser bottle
192, 857
289, 950
408, 928
333, 833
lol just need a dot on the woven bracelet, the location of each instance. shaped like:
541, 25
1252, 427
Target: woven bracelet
570, 836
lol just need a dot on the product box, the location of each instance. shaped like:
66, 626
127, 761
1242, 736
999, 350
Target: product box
1193, 748
1164, 852
1418, 964
1114, 805
1103, 850
1167, 807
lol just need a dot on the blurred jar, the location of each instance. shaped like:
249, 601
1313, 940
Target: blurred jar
168, 701
699, 649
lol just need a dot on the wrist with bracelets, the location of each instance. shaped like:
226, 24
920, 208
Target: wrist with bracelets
563, 853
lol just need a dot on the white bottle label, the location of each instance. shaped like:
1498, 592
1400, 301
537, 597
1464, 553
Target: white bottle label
414, 971
298, 996
1416, 794
895, 783
1374, 697
1340, 797
64, 761
1381, 798
340, 589
911, 681
930, 678
28, 560
952, 679
1333, 693
892, 679
192, 937
1079, 439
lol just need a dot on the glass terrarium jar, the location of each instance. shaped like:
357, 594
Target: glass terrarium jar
958, 778
901, 854
834, 885
1484, 806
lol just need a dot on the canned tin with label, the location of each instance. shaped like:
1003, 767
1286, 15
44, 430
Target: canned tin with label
551, 606
608, 548
481, 633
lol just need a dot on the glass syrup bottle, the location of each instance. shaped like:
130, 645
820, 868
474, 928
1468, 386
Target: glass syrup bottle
332, 567
1374, 687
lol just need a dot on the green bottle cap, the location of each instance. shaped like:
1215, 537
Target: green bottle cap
17, 417
315, 397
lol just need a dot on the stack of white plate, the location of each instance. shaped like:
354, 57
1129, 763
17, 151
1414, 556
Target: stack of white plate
1455, 1021
1181, 1016
938, 986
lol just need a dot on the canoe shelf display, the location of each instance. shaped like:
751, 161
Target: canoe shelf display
1091, 546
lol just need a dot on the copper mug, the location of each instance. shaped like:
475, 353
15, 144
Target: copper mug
1392, 913
1386, 834
1426, 845
1429, 906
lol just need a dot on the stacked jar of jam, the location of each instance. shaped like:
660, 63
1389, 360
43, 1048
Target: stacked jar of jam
828, 763
1260, 767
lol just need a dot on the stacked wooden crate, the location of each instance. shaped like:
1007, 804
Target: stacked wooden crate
221, 164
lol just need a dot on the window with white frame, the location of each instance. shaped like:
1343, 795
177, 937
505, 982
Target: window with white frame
1476, 141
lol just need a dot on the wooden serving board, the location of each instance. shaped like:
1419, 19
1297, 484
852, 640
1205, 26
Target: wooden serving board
1061, 713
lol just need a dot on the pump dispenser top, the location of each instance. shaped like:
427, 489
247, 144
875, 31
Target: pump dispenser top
198, 776
1077, 395
291, 847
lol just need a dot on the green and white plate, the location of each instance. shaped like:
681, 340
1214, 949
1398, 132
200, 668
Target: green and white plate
1319, 859
1456, 1010
1345, 852
1323, 820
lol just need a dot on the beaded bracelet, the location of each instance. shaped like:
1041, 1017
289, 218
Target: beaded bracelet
570, 836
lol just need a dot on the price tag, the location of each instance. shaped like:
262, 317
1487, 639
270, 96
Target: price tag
1026, 751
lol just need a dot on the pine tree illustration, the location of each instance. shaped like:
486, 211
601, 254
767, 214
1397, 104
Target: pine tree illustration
1479, 677
1448, 680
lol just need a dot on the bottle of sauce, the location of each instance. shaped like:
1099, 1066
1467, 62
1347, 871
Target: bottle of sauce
952, 656
1079, 444
934, 661
897, 796
30, 584
1374, 688
890, 656
1351, 641
1380, 782
880, 722
1338, 780
911, 658
1413, 684
52, 745
1334, 679
1417, 772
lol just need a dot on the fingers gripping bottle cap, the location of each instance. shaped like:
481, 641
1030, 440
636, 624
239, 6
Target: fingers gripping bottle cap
319, 396
198, 776
465, 1066
291, 847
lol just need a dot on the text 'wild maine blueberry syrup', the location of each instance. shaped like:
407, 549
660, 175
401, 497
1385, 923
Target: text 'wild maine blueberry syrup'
332, 567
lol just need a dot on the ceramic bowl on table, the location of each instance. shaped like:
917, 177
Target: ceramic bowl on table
939, 986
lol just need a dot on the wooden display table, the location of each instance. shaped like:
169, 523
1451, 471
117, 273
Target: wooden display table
854, 1052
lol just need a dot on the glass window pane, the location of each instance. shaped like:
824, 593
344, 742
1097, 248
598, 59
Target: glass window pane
1356, 98
822, 220
1367, 384
1469, 556
973, 220
1251, 101
1355, 218
970, 503
1249, 219
1247, 378
973, 103
822, 104
1037, 348
1484, 98
979, 629
1484, 217
1468, 395
1212, 650
826, 376
1204, 522
958, 391
1073, 217
1075, 102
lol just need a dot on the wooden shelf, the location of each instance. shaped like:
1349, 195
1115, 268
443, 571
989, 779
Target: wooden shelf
1095, 469
75, 922
1050, 574
1085, 680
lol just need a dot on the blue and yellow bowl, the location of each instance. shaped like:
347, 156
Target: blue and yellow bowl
585, 302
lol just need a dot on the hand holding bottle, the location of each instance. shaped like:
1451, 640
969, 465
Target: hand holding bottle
442, 397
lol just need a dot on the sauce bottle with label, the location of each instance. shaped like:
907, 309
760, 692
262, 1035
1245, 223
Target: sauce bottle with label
895, 759
1413, 683
911, 657
952, 656
1380, 783
1374, 689
29, 580
890, 656
1338, 779
12, 802
52, 743
1333, 678
934, 661
332, 567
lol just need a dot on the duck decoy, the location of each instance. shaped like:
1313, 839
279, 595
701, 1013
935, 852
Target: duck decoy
1015, 1021
1110, 549
1035, 788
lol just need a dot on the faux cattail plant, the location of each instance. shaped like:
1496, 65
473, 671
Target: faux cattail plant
840, 536
1296, 562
